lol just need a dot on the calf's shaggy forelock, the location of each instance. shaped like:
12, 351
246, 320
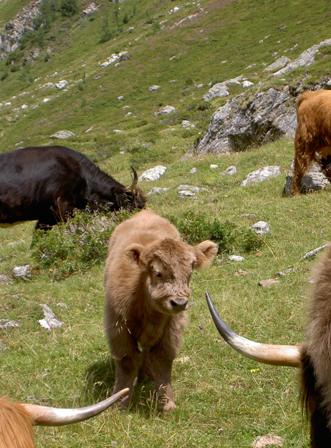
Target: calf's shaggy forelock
147, 279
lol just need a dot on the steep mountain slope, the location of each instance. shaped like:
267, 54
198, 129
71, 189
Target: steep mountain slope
184, 47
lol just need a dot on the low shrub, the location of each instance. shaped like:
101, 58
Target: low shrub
76, 245
195, 227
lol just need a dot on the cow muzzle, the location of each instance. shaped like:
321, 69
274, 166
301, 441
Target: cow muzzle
179, 304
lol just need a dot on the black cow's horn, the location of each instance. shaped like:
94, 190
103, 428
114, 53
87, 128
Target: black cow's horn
283, 355
44, 415
134, 179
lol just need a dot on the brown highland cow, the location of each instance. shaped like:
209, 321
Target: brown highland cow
147, 279
313, 134
313, 357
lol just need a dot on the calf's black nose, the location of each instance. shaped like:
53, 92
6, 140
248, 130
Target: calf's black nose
179, 304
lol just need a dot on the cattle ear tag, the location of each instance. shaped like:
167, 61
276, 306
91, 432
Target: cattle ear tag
134, 252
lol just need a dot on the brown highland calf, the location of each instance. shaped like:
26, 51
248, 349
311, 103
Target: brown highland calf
313, 357
147, 279
313, 134
17, 419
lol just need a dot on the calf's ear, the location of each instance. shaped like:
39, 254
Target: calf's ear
205, 252
134, 252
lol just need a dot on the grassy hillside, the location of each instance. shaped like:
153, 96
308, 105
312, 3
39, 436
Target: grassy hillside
222, 398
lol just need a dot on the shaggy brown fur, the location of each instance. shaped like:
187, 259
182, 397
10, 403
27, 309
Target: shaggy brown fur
313, 133
15, 426
316, 358
147, 290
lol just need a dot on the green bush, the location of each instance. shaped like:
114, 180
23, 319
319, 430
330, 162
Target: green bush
76, 245
69, 8
196, 227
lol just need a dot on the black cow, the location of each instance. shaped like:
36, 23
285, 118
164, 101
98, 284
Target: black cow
47, 183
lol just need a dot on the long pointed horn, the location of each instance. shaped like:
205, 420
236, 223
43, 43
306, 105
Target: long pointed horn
44, 415
282, 355
134, 179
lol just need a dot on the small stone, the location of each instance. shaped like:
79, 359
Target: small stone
61, 84
246, 84
22, 271
261, 227
49, 321
153, 88
153, 173
62, 135
186, 124
237, 258
230, 171
166, 110
268, 282
213, 166
267, 440
261, 175
6, 324
286, 271
193, 170
157, 190
314, 252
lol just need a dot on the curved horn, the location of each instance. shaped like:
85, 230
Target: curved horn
282, 355
44, 415
134, 179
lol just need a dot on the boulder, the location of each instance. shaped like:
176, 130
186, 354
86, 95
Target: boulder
313, 180
261, 175
243, 122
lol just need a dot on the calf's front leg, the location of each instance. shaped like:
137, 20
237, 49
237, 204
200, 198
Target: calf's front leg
126, 371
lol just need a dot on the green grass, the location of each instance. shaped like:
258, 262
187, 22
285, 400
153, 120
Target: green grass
222, 398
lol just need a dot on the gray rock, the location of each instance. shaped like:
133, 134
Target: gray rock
153, 88
243, 122
230, 171
261, 228
186, 124
153, 173
261, 175
278, 64
115, 58
49, 321
188, 191
193, 170
157, 190
62, 84
90, 9
304, 60
6, 324
63, 135
237, 258
25, 20
313, 180
314, 252
218, 90
166, 110
246, 84
23, 271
